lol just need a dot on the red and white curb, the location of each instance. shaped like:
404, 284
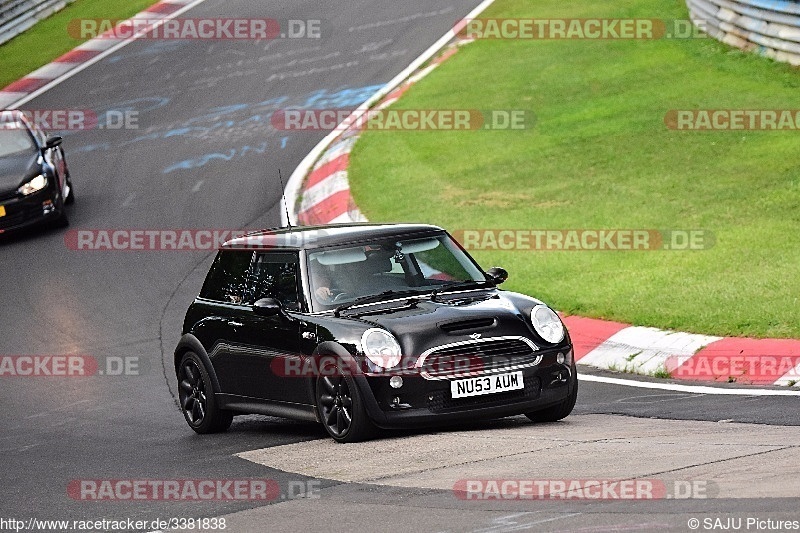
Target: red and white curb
325, 195
86, 54
685, 356
319, 192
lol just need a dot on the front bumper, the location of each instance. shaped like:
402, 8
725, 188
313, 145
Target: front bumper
30, 210
421, 402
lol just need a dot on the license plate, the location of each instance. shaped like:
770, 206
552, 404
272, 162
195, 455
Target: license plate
2, 210
464, 388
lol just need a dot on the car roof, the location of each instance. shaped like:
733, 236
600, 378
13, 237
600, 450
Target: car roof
312, 237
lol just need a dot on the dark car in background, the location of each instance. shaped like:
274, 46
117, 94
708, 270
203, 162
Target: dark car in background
365, 326
35, 184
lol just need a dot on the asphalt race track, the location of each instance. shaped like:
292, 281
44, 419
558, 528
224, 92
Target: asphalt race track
204, 156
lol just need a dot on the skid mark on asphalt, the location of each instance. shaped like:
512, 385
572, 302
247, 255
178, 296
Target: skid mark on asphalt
725, 460
129, 200
57, 410
656, 398
511, 522
406, 19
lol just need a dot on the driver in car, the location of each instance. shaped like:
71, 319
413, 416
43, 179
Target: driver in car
322, 283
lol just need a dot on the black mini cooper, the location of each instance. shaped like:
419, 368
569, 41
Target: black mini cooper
365, 326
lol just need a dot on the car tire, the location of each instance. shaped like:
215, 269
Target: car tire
340, 406
560, 410
62, 221
197, 398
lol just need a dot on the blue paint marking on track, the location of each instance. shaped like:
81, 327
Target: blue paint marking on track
198, 162
226, 118
319, 99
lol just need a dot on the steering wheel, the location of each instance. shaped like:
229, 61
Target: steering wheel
339, 296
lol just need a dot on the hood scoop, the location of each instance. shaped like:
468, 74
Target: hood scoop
461, 327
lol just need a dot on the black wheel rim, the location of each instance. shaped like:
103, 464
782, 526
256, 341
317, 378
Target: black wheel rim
192, 393
336, 403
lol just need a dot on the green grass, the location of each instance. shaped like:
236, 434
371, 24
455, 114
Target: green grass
600, 156
50, 39
662, 373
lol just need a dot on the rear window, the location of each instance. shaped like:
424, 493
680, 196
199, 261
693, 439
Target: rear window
227, 279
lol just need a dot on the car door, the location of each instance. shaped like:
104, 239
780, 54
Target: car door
268, 345
222, 304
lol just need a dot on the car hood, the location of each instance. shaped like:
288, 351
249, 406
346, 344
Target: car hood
427, 323
15, 168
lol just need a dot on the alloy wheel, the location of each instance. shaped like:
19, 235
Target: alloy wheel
194, 401
336, 403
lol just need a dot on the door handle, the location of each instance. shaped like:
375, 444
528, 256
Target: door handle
235, 324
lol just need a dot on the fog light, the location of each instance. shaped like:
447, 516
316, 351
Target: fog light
560, 358
396, 382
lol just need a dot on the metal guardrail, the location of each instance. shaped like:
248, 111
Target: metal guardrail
17, 16
768, 27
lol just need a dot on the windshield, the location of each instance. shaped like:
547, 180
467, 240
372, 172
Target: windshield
14, 139
341, 275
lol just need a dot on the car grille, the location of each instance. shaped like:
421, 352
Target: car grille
441, 400
478, 357
19, 215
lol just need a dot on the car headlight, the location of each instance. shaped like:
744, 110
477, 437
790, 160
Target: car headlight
35, 185
381, 348
547, 324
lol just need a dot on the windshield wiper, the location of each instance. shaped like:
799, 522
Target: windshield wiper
459, 284
372, 298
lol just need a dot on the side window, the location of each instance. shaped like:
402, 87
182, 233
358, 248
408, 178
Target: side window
227, 279
276, 275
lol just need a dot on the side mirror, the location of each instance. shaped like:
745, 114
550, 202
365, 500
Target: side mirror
53, 141
497, 275
267, 307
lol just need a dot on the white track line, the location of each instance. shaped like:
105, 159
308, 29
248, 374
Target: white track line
103, 55
696, 389
295, 182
